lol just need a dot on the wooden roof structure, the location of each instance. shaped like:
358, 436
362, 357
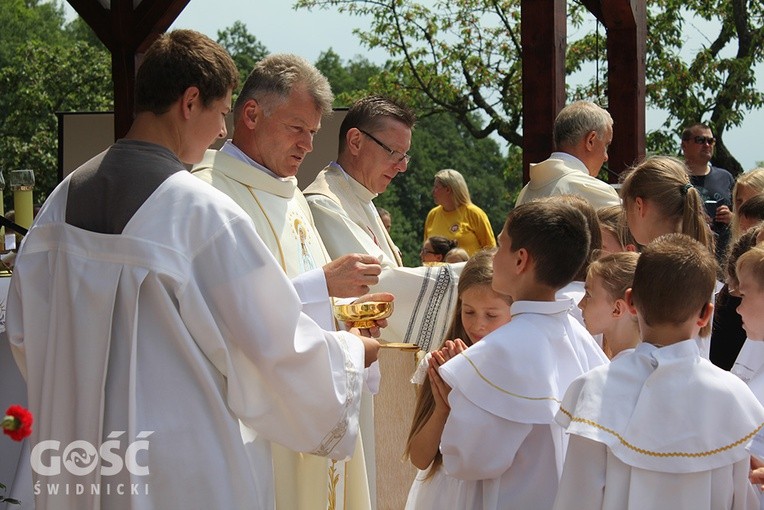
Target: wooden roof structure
128, 27
543, 38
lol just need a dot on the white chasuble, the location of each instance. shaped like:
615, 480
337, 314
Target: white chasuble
283, 220
347, 218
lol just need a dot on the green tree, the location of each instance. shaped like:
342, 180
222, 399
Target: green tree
50, 72
439, 141
349, 81
463, 57
29, 20
714, 83
243, 46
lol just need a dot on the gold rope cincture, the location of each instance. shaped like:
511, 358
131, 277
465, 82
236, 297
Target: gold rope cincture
332, 489
630, 446
553, 399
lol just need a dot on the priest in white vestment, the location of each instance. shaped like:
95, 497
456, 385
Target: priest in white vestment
149, 320
373, 140
582, 133
275, 120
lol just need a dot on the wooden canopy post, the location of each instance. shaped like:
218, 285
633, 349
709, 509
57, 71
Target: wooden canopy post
127, 31
543, 35
626, 25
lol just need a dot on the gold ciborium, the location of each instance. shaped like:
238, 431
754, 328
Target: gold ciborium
363, 315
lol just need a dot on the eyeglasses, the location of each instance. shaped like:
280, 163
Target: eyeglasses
398, 156
700, 140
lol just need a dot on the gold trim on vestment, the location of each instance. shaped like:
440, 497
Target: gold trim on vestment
273, 230
554, 399
642, 451
334, 479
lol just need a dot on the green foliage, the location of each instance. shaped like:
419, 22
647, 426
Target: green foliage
713, 83
23, 21
463, 57
349, 81
244, 47
460, 57
52, 70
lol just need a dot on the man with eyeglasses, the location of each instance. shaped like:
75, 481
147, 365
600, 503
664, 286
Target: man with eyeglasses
714, 183
374, 140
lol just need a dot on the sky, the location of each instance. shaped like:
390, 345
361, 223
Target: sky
308, 33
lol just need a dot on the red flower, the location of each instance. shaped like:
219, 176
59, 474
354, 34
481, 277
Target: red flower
17, 424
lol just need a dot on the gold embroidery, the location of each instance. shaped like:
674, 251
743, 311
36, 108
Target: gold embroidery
273, 230
334, 479
553, 399
630, 446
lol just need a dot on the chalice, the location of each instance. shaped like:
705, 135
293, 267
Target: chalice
363, 315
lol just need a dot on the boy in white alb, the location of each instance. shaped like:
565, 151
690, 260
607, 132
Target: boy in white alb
505, 390
662, 428
750, 274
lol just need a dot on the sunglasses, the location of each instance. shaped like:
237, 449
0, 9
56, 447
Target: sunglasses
700, 140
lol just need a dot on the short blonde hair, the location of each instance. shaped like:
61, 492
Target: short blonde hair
457, 255
752, 262
616, 271
753, 179
456, 183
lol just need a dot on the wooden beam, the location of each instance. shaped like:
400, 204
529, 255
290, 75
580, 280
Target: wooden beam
153, 18
621, 14
127, 31
97, 17
595, 7
543, 36
626, 23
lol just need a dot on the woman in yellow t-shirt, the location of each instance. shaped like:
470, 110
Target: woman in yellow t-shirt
456, 217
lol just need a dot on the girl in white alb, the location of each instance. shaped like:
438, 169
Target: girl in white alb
479, 311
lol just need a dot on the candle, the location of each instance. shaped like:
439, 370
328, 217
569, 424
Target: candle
2, 211
22, 184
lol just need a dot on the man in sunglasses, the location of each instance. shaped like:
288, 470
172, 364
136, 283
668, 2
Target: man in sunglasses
714, 183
